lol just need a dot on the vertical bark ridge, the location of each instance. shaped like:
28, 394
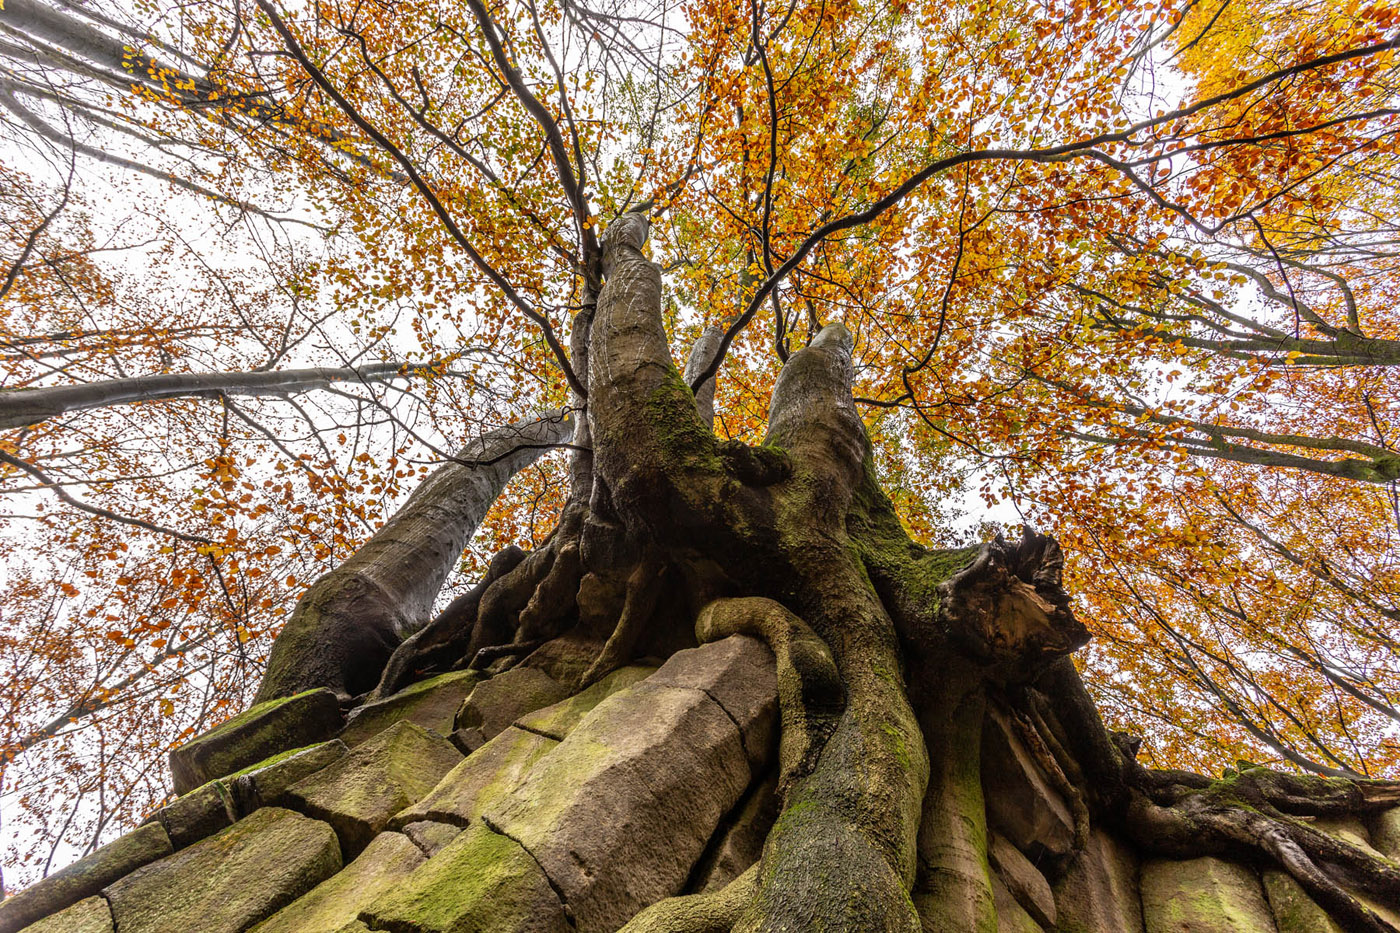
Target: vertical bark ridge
954, 889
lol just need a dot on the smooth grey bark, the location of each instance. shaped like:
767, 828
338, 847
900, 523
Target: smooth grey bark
349, 622
103, 53
23, 407
702, 354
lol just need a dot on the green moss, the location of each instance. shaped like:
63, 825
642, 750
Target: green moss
479, 881
249, 737
1204, 894
224, 781
561, 778
670, 411
794, 813
901, 751
558, 720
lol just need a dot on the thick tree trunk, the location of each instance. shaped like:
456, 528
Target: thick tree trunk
348, 624
893, 660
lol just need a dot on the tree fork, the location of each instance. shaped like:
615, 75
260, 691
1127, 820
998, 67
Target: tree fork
887, 652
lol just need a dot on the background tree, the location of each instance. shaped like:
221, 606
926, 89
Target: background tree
1126, 271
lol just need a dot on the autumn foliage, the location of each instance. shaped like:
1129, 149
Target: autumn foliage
1122, 271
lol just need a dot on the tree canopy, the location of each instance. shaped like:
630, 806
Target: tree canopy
1122, 271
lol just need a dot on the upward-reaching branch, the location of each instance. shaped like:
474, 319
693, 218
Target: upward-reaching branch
1081, 149
420, 183
571, 178
348, 623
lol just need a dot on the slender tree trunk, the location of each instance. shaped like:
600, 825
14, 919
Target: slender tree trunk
22, 407
351, 620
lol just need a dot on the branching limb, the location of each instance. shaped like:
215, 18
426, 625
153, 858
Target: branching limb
348, 624
23, 407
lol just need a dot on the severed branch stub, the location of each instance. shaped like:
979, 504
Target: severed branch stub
1007, 608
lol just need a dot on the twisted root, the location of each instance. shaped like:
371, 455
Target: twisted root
810, 694
711, 912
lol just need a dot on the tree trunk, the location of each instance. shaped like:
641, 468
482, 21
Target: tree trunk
893, 660
350, 621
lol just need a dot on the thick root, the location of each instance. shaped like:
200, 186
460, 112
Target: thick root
821, 868
555, 599
712, 912
643, 588
847, 776
498, 616
1216, 820
443, 640
810, 695
1254, 814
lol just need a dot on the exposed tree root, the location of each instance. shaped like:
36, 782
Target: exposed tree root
1038, 745
499, 613
442, 641
1255, 815
1217, 821
711, 912
810, 694
516, 649
887, 652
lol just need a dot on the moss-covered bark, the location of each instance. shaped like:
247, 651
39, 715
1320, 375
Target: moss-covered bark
887, 651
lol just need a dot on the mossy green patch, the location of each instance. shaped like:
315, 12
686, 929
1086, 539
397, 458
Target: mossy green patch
268, 762
670, 412
230, 881
479, 881
558, 720
250, 737
430, 703
1204, 894
901, 751
388, 860
483, 778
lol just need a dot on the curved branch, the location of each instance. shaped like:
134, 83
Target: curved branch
1068, 151
434, 202
100, 512
572, 183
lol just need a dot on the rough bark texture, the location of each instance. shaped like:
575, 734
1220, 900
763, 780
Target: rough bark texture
939, 765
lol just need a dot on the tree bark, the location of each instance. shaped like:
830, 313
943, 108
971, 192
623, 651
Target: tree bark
349, 622
23, 407
888, 654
